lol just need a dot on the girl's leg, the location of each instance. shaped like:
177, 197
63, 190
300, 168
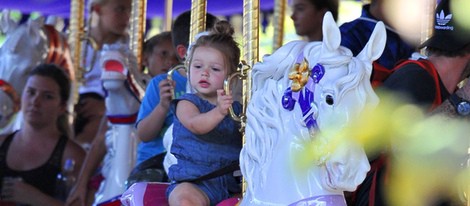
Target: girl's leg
187, 194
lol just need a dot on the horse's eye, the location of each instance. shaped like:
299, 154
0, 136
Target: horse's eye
329, 99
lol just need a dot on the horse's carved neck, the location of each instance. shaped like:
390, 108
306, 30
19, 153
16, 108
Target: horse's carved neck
121, 105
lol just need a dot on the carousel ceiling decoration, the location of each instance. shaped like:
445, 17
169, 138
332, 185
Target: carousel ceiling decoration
155, 8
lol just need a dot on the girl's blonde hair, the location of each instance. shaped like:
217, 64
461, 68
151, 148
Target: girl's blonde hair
221, 38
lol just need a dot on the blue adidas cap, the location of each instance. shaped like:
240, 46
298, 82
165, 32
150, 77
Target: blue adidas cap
447, 34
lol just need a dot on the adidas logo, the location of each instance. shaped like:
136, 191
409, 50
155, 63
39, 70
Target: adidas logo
442, 19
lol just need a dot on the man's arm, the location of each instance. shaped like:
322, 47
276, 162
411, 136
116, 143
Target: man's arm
447, 109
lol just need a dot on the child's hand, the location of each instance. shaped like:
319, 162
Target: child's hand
224, 101
78, 193
15, 190
166, 92
90, 107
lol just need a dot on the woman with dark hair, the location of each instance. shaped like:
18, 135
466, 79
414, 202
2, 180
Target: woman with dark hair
32, 157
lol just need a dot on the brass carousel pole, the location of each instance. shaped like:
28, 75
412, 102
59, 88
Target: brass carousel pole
198, 18
278, 23
250, 54
198, 24
427, 22
467, 186
168, 14
137, 22
77, 31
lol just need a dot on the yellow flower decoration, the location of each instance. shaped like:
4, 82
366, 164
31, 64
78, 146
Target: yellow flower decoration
299, 75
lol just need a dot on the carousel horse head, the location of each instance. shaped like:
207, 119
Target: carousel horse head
298, 91
122, 94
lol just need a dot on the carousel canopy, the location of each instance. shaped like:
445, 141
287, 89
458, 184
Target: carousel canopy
154, 7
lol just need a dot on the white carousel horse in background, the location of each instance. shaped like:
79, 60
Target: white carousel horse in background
26, 46
122, 105
329, 87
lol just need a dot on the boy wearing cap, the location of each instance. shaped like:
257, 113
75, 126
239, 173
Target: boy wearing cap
448, 57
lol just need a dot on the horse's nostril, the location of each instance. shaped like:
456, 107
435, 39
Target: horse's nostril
330, 100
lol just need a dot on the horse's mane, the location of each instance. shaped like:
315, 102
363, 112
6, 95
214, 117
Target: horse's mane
265, 112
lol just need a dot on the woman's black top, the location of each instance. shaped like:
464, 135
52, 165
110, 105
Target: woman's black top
42, 177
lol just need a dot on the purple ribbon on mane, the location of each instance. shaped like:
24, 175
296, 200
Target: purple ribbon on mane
305, 97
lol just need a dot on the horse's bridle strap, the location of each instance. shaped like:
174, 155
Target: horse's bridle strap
10, 91
57, 47
122, 119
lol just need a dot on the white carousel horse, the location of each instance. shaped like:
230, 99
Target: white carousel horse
122, 105
328, 88
26, 46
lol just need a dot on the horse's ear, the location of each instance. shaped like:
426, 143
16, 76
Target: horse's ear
33, 29
7, 24
56, 22
331, 33
376, 44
